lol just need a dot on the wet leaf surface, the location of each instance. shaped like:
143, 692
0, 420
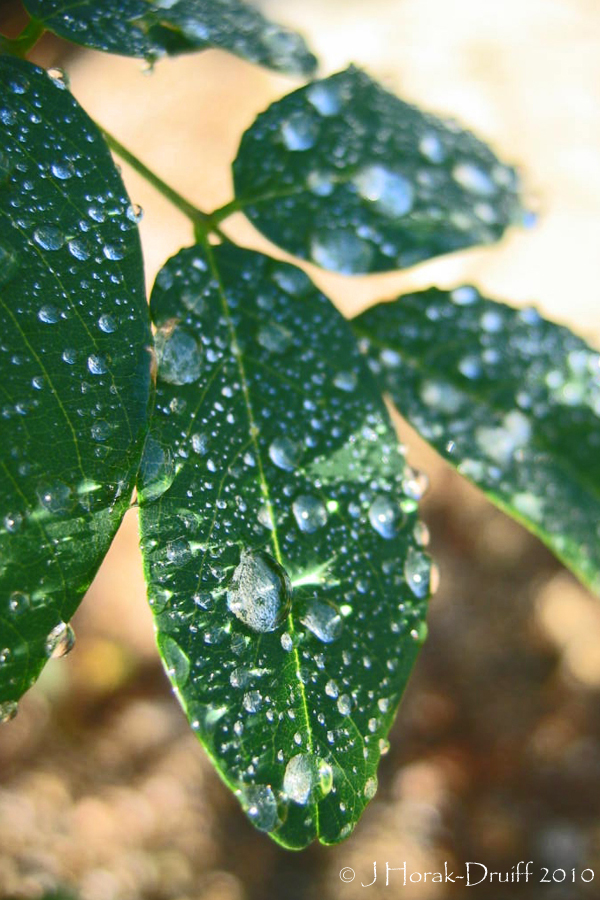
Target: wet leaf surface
74, 360
282, 550
510, 399
151, 29
345, 174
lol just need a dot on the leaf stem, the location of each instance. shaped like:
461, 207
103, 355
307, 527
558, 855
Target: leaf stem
202, 222
24, 41
225, 211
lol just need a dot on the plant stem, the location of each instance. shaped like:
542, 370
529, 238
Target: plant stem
21, 45
225, 211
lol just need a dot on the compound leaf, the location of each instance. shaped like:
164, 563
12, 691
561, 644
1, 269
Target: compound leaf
151, 29
281, 545
511, 400
345, 174
74, 362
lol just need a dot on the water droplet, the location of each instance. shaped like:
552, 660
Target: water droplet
114, 251
341, 251
307, 777
474, 179
62, 171
332, 690
134, 213
60, 641
285, 453
252, 701
417, 568
156, 471
80, 249
259, 594
55, 497
390, 192
344, 705
8, 710
491, 321
370, 788
299, 131
432, 148
325, 98
107, 324
18, 602
320, 183
323, 620
292, 280
274, 337
179, 552
59, 77
97, 365
415, 485
345, 381
310, 513
9, 264
385, 517
260, 805
178, 354
50, 315
464, 296
13, 521
48, 237
176, 660
200, 444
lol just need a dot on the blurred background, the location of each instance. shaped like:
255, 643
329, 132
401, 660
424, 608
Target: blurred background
495, 755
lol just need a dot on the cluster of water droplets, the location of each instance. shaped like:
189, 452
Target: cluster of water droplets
400, 185
282, 505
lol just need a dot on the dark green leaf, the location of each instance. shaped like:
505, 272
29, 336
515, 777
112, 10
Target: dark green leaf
74, 363
281, 546
511, 400
347, 175
151, 29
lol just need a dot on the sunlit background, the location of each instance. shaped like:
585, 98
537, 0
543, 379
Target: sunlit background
495, 756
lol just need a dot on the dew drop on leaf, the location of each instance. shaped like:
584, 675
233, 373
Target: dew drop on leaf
260, 591
60, 641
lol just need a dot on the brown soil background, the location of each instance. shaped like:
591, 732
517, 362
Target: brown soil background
495, 754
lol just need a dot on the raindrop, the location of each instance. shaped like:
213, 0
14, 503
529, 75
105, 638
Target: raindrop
325, 99
274, 337
385, 517
107, 324
59, 77
344, 705
62, 171
464, 296
285, 453
60, 641
390, 192
323, 620
200, 444
260, 806
370, 788
299, 132
432, 148
18, 602
50, 315
79, 249
474, 179
8, 710
134, 213
178, 354
417, 570
341, 251
156, 471
305, 776
97, 365
55, 497
260, 591
48, 237
9, 264
310, 513
345, 381
176, 661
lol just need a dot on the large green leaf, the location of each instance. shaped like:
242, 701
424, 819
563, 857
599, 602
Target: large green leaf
281, 545
153, 28
74, 363
511, 400
347, 175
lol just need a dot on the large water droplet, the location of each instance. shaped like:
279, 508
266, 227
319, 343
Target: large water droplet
390, 192
48, 237
323, 620
299, 131
60, 641
260, 591
310, 513
417, 570
385, 517
260, 805
307, 777
156, 471
8, 710
176, 660
178, 354
285, 453
341, 251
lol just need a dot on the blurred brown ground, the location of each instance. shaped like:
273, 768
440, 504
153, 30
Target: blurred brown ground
495, 755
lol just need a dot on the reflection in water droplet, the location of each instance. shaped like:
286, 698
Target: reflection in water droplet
260, 591
260, 805
323, 620
55, 497
341, 251
385, 517
156, 471
345, 381
18, 602
390, 192
474, 179
97, 365
49, 315
178, 355
107, 324
307, 778
310, 513
370, 788
432, 148
48, 237
464, 296
134, 213
325, 98
299, 131
274, 337
285, 453
8, 710
176, 660
417, 569
60, 641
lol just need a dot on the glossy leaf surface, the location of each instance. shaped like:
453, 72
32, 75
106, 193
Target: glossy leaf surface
74, 363
281, 545
345, 174
510, 399
151, 29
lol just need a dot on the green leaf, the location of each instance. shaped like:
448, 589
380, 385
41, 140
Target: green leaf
282, 553
511, 400
347, 175
74, 363
151, 29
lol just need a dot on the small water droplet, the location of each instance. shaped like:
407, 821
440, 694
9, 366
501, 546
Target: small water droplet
385, 517
306, 777
48, 314
341, 251
474, 179
299, 132
48, 237
345, 381
285, 453
390, 192
274, 337
97, 365
325, 98
134, 213
370, 788
344, 705
323, 620
432, 148
8, 710
107, 324
464, 296
18, 602
55, 497
417, 570
60, 641
310, 513
260, 805
176, 660
59, 77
